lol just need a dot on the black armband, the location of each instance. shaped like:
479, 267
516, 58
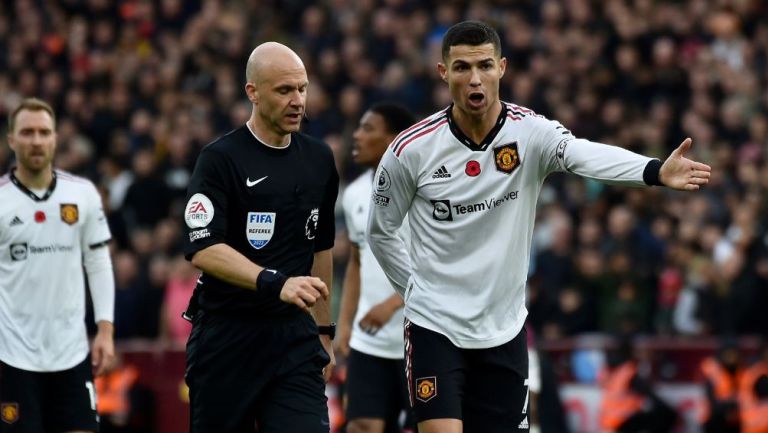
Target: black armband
271, 281
651, 173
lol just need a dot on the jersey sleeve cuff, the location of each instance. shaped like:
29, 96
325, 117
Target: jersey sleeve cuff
651, 173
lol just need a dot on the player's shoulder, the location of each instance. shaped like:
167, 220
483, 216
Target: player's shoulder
518, 113
519, 116
411, 139
73, 181
5, 180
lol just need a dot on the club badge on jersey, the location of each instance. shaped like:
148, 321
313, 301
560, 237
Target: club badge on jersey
507, 157
69, 213
259, 228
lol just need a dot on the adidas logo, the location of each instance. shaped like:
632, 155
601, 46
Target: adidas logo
524, 423
16, 221
441, 173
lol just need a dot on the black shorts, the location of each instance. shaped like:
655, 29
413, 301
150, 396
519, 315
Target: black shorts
485, 388
59, 401
376, 388
245, 372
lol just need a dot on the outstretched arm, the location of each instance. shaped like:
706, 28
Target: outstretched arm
679, 172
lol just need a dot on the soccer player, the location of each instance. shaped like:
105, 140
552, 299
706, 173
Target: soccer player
468, 178
51, 226
373, 341
261, 226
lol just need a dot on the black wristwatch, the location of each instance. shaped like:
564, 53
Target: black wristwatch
329, 330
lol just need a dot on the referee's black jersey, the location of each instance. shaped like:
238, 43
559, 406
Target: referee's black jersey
273, 205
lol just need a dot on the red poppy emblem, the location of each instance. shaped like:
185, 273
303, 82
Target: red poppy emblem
473, 168
40, 216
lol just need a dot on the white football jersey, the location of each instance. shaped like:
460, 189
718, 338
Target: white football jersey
471, 209
42, 288
374, 287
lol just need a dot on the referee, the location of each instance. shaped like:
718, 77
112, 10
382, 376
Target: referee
260, 226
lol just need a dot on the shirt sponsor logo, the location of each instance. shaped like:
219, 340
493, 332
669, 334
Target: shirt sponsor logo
441, 173
9, 412
506, 157
310, 227
69, 213
383, 182
426, 388
199, 234
199, 211
442, 210
40, 217
380, 200
21, 251
259, 228
18, 252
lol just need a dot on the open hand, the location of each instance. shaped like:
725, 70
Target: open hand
679, 172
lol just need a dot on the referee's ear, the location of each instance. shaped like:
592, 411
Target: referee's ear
250, 90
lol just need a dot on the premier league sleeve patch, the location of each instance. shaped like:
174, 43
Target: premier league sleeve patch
507, 157
199, 211
259, 228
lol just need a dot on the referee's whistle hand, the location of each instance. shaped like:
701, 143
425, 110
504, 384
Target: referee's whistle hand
303, 291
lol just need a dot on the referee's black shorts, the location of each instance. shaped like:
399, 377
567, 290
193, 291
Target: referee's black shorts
485, 388
266, 373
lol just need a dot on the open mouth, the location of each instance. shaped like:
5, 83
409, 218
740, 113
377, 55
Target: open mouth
476, 97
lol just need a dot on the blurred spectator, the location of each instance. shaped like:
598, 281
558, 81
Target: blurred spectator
178, 290
721, 375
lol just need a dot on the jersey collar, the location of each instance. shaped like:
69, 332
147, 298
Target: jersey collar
27, 191
466, 141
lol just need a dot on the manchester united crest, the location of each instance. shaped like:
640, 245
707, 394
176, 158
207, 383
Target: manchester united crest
69, 213
426, 388
9, 412
507, 157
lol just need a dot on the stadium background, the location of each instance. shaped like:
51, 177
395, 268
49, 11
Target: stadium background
140, 86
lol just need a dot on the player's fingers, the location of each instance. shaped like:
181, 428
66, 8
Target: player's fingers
684, 146
700, 166
701, 174
96, 356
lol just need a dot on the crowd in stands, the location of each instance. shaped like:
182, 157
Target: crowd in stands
141, 85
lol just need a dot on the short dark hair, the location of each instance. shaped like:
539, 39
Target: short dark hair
30, 104
396, 117
470, 33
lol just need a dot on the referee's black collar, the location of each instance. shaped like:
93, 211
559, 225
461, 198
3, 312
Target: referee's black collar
28, 192
466, 141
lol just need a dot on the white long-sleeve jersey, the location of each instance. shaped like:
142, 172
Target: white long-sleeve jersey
43, 241
471, 209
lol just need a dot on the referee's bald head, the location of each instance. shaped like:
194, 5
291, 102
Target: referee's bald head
271, 57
